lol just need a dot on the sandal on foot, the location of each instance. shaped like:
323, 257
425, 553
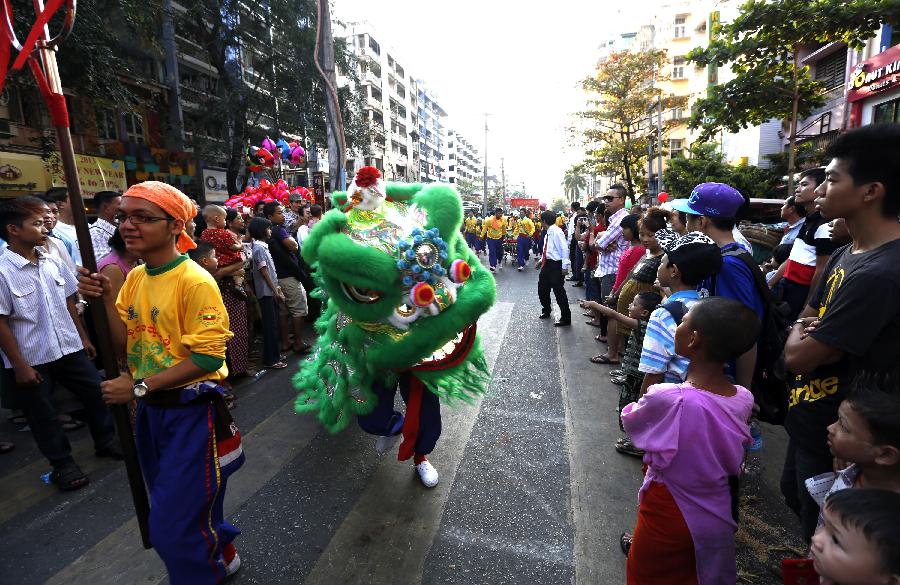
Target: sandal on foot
600, 338
592, 324
71, 425
603, 359
275, 366
618, 372
69, 477
625, 542
618, 380
630, 450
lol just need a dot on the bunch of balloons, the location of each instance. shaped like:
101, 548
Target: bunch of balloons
264, 156
266, 192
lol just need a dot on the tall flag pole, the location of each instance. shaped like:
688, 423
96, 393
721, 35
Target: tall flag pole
39, 53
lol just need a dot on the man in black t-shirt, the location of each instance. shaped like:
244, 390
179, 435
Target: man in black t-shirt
850, 326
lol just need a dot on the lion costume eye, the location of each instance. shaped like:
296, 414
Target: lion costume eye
361, 295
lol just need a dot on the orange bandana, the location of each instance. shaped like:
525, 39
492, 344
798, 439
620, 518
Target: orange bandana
172, 201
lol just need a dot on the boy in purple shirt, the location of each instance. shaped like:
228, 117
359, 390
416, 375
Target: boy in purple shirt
694, 435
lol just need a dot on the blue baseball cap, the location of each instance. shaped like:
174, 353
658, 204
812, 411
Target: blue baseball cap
711, 200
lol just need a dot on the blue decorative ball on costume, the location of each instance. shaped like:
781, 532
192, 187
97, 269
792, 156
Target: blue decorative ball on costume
411, 254
403, 244
402, 264
417, 240
438, 241
444, 255
408, 280
417, 269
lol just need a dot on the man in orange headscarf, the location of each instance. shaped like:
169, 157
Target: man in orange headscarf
173, 332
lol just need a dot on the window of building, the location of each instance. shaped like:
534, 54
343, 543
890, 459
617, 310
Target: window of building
106, 124
676, 147
887, 113
831, 71
134, 127
10, 106
678, 68
680, 27
374, 46
677, 113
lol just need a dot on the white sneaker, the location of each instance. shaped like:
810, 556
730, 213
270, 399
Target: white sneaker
520, 269
234, 565
385, 444
427, 473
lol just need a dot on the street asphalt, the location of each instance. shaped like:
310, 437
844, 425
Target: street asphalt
531, 488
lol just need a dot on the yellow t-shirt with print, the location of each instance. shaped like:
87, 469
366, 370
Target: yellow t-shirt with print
493, 228
174, 313
471, 225
526, 227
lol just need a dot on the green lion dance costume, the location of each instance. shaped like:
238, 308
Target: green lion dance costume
404, 293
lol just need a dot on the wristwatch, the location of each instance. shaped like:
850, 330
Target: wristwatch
140, 388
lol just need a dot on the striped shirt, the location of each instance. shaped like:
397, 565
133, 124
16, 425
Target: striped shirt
609, 260
33, 297
101, 231
658, 353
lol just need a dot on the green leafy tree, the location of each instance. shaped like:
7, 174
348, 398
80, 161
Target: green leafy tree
267, 82
559, 205
762, 47
619, 118
707, 164
574, 182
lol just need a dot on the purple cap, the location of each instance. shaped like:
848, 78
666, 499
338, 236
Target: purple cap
711, 200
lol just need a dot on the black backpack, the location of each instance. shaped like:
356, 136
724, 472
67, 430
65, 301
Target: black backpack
770, 378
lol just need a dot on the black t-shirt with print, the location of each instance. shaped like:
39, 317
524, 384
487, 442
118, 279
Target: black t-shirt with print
859, 307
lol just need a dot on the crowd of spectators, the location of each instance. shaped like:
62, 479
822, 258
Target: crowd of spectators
46, 335
690, 320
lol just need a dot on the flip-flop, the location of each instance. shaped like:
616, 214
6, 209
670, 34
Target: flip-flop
600, 338
275, 366
71, 425
625, 542
603, 359
592, 324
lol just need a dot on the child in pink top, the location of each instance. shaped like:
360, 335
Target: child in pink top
694, 435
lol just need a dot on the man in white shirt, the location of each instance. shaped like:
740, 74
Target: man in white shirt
107, 204
65, 227
554, 265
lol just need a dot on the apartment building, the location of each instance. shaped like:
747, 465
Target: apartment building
391, 106
433, 136
463, 161
117, 146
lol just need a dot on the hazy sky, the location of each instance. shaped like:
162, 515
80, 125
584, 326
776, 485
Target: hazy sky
519, 64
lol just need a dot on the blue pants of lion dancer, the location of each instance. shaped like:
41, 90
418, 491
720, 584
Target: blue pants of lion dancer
538, 248
472, 240
523, 245
387, 422
495, 251
186, 474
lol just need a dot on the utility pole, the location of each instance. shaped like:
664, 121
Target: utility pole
485, 185
334, 122
503, 181
659, 183
649, 155
176, 119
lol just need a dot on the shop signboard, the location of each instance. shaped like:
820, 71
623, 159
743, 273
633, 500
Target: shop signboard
878, 74
95, 174
22, 174
521, 202
215, 185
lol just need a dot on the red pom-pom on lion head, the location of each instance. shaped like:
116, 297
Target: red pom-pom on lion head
367, 176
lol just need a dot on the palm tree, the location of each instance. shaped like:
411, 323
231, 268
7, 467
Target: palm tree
573, 183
